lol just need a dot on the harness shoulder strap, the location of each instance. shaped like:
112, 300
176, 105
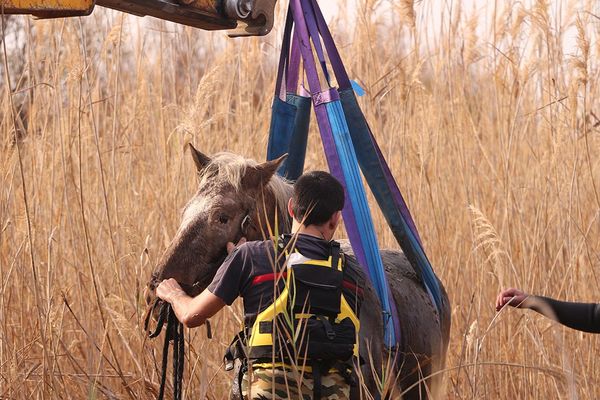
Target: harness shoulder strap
316, 375
335, 255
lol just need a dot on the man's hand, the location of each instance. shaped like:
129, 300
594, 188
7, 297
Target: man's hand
169, 289
513, 297
231, 247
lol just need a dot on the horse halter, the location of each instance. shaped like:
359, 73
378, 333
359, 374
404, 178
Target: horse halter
247, 223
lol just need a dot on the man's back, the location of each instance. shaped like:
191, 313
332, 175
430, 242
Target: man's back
240, 274
250, 272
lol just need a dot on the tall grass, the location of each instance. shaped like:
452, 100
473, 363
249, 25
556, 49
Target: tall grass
490, 126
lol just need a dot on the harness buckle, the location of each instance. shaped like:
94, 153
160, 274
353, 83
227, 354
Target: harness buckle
328, 328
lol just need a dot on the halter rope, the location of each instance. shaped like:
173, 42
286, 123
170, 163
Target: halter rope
174, 332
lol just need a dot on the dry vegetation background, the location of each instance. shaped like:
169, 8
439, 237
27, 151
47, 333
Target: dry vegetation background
490, 126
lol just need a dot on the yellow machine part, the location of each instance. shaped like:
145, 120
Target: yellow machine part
240, 17
48, 8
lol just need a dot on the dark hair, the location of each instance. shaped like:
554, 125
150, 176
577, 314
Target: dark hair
317, 196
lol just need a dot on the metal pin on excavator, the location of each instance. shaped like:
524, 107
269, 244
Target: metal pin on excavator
240, 17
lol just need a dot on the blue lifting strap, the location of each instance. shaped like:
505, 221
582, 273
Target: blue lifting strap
348, 143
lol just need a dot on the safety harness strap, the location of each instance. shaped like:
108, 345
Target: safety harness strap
316, 375
335, 254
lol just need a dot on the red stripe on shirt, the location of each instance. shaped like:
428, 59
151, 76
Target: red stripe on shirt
268, 277
277, 275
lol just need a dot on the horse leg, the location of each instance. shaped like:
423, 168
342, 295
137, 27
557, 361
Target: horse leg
370, 344
425, 335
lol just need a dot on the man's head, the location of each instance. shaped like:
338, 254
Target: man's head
317, 199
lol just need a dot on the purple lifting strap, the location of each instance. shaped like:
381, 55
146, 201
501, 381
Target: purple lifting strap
294, 68
344, 82
398, 198
334, 56
289, 64
283, 56
322, 118
313, 31
302, 37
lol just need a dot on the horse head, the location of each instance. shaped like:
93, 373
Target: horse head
236, 197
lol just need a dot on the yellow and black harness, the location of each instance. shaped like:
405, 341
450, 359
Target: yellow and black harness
311, 323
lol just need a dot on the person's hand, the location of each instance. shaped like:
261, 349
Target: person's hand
511, 296
231, 246
169, 289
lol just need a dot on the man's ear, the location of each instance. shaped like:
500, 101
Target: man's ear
290, 207
335, 220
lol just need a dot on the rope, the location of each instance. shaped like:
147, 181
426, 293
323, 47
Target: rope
174, 332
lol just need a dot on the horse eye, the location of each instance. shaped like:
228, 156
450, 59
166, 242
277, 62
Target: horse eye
223, 219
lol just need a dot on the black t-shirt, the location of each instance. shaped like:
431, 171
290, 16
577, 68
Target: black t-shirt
252, 259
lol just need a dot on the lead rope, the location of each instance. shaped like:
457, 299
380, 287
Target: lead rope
174, 332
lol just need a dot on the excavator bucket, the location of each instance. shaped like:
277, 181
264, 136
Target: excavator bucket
241, 17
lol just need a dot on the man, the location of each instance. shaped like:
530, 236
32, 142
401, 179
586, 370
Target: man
581, 316
314, 298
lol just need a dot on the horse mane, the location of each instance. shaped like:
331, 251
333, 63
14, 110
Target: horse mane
230, 168
282, 191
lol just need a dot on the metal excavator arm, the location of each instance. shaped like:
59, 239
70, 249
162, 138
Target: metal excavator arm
241, 17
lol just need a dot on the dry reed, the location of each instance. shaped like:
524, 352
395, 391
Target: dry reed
493, 142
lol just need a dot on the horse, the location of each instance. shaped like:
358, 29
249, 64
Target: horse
239, 197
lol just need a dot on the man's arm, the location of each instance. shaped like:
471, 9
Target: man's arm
191, 312
195, 311
581, 316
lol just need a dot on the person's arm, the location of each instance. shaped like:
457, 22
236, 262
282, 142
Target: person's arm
191, 312
581, 316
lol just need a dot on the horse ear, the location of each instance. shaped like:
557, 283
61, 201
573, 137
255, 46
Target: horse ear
262, 173
201, 160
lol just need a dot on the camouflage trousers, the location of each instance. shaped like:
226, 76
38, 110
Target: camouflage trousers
279, 383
